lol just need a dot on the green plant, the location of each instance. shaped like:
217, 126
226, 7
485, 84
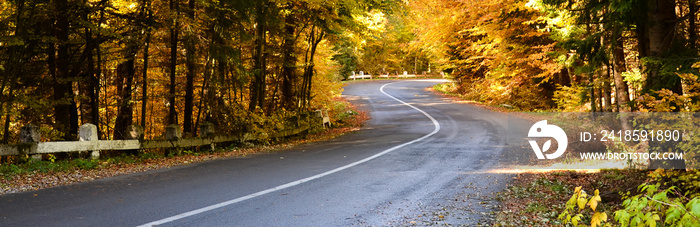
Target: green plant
653, 207
635, 79
52, 158
535, 207
580, 200
8, 170
148, 155
686, 181
85, 163
614, 174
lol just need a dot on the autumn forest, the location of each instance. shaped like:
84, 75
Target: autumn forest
155, 63
114, 63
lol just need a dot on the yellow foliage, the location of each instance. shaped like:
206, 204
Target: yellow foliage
581, 201
570, 99
325, 83
593, 202
598, 218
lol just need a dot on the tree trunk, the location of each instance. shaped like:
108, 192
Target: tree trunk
662, 16
692, 35
257, 90
602, 99
147, 43
63, 86
12, 73
415, 65
314, 39
288, 62
174, 30
125, 77
642, 37
692, 38
95, 100
662, 27
144, 82
190, 56
9, 102
622, 95
607, 103
592, 92
216, 86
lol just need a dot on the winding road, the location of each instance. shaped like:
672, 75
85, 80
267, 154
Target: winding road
421, 159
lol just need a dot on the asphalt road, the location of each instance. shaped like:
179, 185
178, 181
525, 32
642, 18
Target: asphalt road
425, 161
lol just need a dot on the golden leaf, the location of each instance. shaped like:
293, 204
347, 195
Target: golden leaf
593, 203
598, 218
581, 203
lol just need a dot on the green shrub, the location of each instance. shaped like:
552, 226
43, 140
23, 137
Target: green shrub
577, 209
659, 208
85, 163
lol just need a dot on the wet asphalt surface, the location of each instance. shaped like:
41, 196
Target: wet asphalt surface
442, 179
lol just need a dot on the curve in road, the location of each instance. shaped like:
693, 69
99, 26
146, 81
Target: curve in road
298, 182
406, 169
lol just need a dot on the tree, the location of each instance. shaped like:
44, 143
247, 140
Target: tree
126, 72
147, 14
257, 90
289, 60
191, 54
661, 33
65, 111
174, 32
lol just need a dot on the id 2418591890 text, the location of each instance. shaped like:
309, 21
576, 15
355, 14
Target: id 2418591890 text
633, 135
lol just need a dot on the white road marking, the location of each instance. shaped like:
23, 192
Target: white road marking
298, 182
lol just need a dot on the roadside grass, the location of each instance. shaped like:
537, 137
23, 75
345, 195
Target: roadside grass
8, 171
34, 174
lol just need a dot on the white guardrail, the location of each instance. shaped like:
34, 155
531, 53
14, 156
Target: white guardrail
30, 139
